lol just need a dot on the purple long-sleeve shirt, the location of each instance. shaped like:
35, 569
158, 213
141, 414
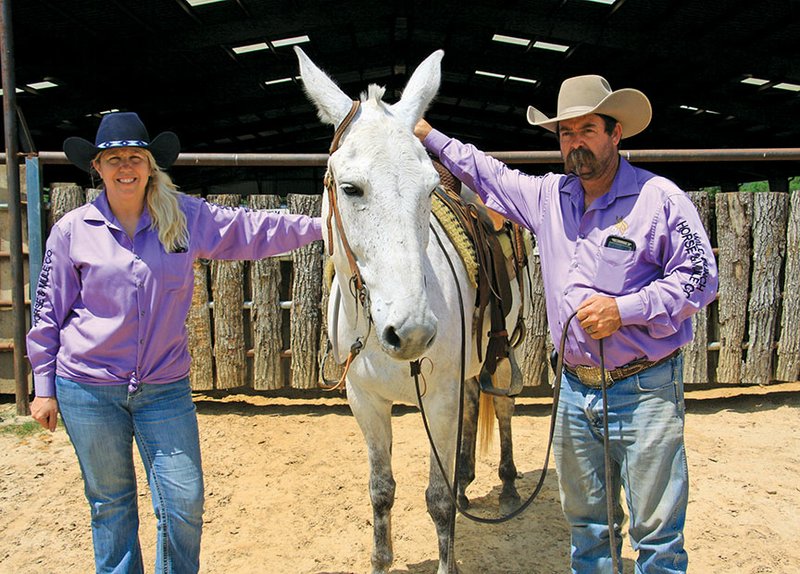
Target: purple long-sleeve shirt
111, 310
658, 266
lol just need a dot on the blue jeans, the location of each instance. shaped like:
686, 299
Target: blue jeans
102, 421
645, 426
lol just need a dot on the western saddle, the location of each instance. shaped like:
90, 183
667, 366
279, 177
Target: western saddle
501, 254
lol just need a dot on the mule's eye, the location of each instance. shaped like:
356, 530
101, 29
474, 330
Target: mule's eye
351, 190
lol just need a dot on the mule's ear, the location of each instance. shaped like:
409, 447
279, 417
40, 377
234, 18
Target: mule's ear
420, 90
331, 102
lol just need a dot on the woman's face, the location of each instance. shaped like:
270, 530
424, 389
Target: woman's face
125, 171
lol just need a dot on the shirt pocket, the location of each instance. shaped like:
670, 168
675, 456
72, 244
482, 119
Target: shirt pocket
613, 266
176, 271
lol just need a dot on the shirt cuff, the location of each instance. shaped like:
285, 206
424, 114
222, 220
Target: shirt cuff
45, 385
435, 141
316, 225
631, 309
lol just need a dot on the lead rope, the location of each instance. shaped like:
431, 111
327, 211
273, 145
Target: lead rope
610, 490
559, 371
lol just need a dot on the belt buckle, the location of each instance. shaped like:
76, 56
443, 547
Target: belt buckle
592, 377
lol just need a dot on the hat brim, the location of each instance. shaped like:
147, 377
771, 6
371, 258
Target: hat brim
165, 148
629, 107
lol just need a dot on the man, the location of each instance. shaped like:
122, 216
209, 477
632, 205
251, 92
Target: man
626, 250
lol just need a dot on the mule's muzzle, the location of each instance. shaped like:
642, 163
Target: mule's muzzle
407, 342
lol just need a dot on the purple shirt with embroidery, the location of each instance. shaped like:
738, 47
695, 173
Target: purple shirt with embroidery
661, 272
109, 310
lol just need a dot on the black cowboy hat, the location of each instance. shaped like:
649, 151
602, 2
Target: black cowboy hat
122, 129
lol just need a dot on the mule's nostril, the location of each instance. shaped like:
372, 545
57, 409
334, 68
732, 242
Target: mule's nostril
431, 340
391, 337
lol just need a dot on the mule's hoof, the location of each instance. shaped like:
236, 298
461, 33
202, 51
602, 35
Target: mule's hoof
509, 504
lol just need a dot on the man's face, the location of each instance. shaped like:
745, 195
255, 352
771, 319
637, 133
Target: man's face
588, 151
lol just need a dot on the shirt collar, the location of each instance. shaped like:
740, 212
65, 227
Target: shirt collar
625, 183
100, 210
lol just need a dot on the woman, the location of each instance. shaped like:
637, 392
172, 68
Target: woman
108, 343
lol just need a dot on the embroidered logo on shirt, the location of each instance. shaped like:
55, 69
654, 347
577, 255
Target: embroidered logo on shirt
42, 286
621, 226
693, 244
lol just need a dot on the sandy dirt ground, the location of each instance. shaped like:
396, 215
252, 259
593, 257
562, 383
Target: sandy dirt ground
286, 486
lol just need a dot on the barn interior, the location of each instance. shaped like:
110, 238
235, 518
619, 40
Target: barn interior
222, 74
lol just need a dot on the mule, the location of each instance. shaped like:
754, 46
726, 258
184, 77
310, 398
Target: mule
395, 296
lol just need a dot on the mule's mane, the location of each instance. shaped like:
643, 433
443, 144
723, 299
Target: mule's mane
375, 94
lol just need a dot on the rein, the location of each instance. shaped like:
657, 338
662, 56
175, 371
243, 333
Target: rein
559, 371
415, 371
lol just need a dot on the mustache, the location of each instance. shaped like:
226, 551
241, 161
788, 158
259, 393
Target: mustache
578, 158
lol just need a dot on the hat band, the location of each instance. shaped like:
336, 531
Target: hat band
122, 143
576, 110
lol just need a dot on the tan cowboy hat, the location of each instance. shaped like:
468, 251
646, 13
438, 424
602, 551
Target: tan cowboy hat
591, 94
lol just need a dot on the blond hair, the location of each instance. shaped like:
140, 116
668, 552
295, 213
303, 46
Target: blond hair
167, 217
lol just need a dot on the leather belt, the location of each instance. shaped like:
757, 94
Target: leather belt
591, 376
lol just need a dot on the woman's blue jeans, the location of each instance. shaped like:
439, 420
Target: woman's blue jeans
645, 426
102, 421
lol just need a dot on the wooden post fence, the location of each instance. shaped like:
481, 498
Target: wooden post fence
749, 336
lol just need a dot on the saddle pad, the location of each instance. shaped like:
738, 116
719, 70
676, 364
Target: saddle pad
459, 238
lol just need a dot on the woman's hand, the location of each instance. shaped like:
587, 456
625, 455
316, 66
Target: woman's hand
44, 411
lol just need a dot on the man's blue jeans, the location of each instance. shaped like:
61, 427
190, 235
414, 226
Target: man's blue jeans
645, 426
102, 421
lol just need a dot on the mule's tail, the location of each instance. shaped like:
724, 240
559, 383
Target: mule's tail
486, 417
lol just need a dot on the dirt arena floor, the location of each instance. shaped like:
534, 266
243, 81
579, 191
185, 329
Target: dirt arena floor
286, 486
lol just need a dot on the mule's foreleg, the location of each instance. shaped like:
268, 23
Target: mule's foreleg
441, 508
374, 418
381, 494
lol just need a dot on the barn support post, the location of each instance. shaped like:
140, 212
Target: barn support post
36, 226
7, 63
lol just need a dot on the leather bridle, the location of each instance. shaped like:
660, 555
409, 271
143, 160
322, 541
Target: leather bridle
358, 288
333, 205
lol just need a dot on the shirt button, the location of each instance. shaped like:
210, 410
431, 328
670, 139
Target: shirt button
582, 236
141, 314
141, 341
